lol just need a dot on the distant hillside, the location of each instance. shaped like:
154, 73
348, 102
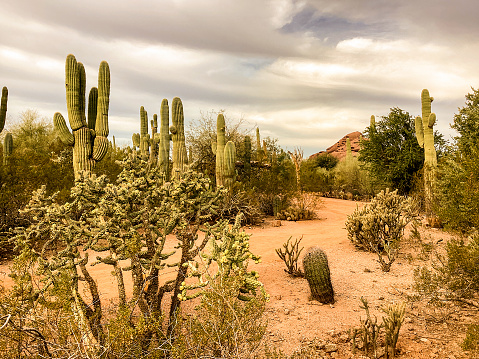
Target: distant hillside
338, 150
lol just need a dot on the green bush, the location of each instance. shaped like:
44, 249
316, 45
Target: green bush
379, 226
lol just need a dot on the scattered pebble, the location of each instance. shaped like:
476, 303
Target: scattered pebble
287, 311
330, 347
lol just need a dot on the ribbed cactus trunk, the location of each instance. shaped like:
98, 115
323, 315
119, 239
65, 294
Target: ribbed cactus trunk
164, 147
154, 141
89, 139
3, 108
259, 149
220, 150
316, 272
230, 165
247, 156
7, 148
144, 136
425, 138
180, 155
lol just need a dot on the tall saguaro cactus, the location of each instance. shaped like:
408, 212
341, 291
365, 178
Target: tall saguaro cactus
3, 107
229, 164
7, 148
144, 136
425, 138
164, 148
220, 149
89, 139
180, 155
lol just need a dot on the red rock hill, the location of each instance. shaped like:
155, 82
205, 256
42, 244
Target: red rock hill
338, 150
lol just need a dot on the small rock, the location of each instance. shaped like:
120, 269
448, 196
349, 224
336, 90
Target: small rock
287, 311
407, 320
381, 352
330, 347
344, 338
424, 340
276, 223
334, 355
278, 297
367, 270
381, 298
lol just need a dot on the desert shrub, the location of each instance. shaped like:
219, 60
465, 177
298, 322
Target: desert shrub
454, 276
241, 199
349, 177
316, 178
301, 206
379, 226
222, 326
471, 342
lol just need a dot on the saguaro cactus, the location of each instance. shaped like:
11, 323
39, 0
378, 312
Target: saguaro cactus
3, 108
144, 136
247, 156
349, 152
316, 272
425, 138
220, 150
229, 164
7, 148
89, 139
180, 155
164, 148
154, 140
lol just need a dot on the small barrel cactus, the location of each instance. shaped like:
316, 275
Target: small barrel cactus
316, 272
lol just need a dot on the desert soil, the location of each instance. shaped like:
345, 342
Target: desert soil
295, 321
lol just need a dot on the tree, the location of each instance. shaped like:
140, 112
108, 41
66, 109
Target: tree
458, 172
390, 151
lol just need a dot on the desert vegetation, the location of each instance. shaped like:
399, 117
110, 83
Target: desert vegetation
168, 215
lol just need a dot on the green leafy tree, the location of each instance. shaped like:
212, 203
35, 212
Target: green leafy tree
458, 172
390, 151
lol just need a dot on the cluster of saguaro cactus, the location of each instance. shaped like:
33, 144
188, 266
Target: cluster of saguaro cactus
316, 272
88, 138
425, 138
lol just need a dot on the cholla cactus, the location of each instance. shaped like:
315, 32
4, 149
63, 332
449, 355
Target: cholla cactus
316, 272
89, 139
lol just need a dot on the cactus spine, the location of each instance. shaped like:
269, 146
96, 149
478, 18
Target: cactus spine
220, 150
180, 155
229, 164
425, 138
3, 108
89, 139
7, 148
316, 272
164, 148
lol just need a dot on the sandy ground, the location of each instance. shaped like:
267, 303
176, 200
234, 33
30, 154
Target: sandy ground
294, 320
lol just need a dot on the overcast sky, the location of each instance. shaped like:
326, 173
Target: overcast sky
306, 72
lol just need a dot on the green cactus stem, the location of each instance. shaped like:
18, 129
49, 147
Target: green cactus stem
316, 272
259, 149
164, 147
349, 153
180, 155
3, 108
425, 138
229, 164
144, 136
89, 139
219, 150
247, 156
154, 140
135, 138
7, 148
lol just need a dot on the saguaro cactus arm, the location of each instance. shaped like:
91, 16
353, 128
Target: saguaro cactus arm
3, 108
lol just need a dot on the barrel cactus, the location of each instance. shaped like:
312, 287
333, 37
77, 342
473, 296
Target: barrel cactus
316, 272
88, 139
